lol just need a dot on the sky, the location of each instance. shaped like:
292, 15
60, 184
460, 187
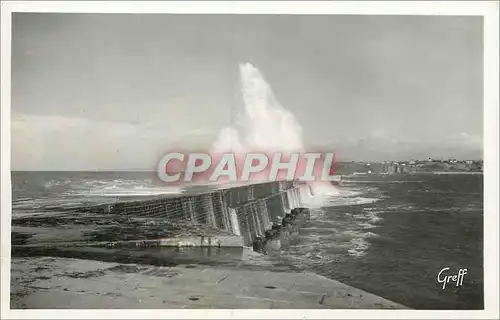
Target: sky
116, 91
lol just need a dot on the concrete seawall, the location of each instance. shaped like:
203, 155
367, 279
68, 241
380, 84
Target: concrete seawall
244, 212
233, 216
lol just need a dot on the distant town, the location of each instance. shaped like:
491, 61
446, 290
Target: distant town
410, 166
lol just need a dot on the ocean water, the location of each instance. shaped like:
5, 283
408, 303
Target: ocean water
64, 190
53, 184
389, 235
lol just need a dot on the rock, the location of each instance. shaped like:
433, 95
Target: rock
259, 245
306, 212
276, 227
272, 234
302, 215
288, 220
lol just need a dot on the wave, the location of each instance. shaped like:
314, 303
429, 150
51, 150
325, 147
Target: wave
118, 191
109, 188
72, 194
337, 201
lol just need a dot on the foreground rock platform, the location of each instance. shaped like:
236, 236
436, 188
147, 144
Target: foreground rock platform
49, 283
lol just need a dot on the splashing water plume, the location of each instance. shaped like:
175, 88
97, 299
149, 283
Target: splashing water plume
264, 125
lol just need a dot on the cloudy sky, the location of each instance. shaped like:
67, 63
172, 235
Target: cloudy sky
95, 91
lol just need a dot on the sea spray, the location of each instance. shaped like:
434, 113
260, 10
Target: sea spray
264, 125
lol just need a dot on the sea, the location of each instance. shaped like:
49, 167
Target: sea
386, 234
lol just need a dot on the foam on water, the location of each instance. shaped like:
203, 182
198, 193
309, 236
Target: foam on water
111, 188
334, 235
71, 193
119, 191
339, 197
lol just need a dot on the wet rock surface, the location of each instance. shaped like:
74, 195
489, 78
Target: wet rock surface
96, 229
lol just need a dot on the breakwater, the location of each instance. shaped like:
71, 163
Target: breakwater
261, 216
249, 215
